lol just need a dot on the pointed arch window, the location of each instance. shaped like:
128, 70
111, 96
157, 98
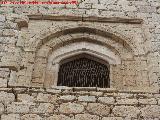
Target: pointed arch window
83, 71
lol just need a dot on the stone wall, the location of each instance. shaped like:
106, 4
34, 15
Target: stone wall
133, 25
31, 37
77, 104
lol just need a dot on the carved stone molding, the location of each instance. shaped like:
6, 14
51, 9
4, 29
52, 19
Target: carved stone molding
86, 19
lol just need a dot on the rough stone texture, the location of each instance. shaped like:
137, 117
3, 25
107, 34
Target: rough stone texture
71, 108
152, 111
112, 118
3, 82
67, 98
67, 106
127, 101
59, 117
87, 98
126, 111
124, 33
151, 101
26, 43
1, 108
31, 117
25, 98
98, 109
86, 117
16, 107
10, 117
43, 108
6, 97
46, 98
106, 100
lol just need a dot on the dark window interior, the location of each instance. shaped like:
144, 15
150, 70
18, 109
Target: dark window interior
83, 72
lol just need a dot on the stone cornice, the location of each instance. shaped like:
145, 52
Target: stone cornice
87, 19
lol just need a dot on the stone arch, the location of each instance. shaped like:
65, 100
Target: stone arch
56, 39
82, 76
76, 49
99, 30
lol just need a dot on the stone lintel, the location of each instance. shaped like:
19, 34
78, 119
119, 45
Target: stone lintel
86, 19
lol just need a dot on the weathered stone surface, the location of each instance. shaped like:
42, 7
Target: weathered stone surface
127, 101
122, 34
86, 117
2, 18
125, 111
46, 98
42, 108
16, 107
151, 111
4, 74
67, 98
87, 98
59, 117
25, 98
112, 118
1, 108
71, 108
6, 98
96, 93
151, 101
98, 109
10, 117
3, 82
106, 100
31, 117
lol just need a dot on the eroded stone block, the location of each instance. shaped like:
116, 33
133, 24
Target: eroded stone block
10, 117
16, 107
112, 118
31, 117
106, 100
86, 117
6, 98
59, 117
25, 98
46, 98
70, 108
98, 109
151, 111
125, 111
87, 98
42, 108
3, 82
1, 108
67, 98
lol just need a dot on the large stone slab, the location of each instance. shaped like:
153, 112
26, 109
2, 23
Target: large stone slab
98, 109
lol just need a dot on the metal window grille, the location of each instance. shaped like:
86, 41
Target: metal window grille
83, 72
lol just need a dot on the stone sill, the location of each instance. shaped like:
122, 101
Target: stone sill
108, 90
63, 89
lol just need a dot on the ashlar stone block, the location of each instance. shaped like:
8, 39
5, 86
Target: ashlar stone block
10, 117
70, 108
87, 98
46, 98
6, 98
1, 108
86, 117
16, 107
59, 117
151, 111
42, 108
31, 117
125, 111
106, 100
98, 109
